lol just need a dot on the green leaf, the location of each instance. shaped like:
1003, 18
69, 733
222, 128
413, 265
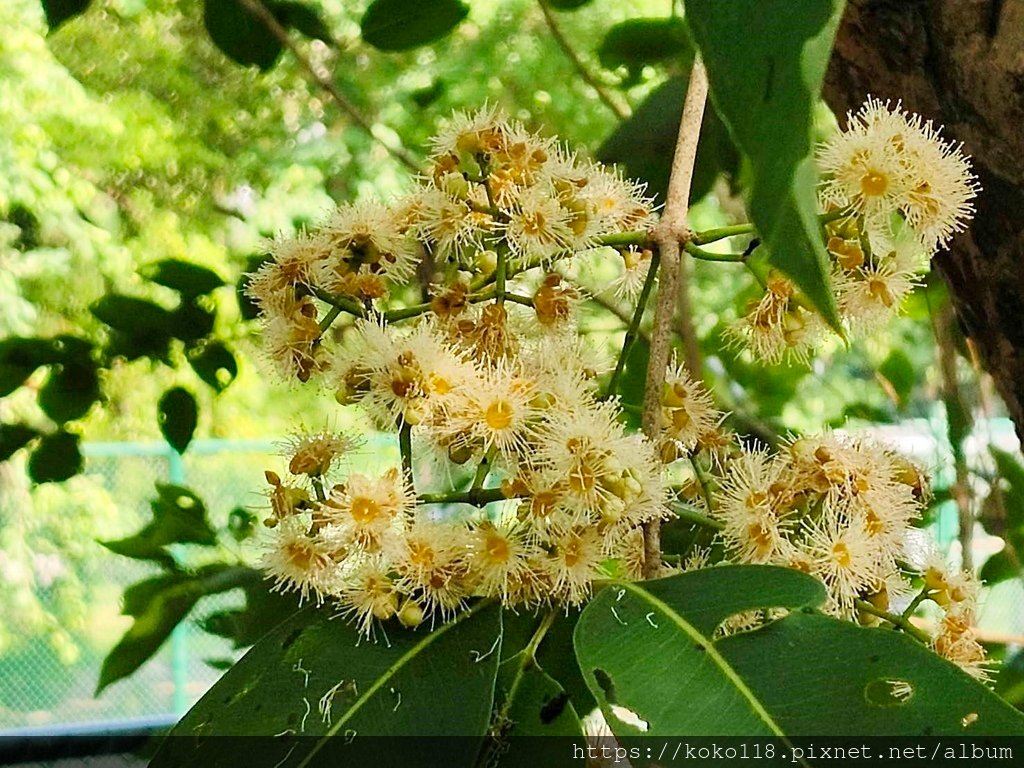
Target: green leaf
179, 517
766, 61
804, 675
158, 605
59, 11
397, 25
898, 371
21, 356
314, 677
14, 437
638, 42
178, 415
55, 458
240, 35
1001, 566
70, 391
191, 321
129, 315
634, 379
241, 524
262, 612
215, 364
643, 144
188, 279
302, 18
819, 675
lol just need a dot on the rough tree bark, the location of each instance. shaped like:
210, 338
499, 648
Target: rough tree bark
960, 63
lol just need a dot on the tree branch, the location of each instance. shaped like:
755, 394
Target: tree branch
261, 12
621, 111
668, 234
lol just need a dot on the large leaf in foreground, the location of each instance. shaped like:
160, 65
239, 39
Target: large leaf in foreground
839, 681
324, 692
631, 634
804, 675
764, 83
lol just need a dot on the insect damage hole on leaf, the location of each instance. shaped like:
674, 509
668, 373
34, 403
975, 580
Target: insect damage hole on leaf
888, 693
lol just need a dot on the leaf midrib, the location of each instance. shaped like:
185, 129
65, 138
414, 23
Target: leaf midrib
390, 673
709, 647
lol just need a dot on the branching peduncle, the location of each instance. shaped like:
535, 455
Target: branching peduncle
634, 325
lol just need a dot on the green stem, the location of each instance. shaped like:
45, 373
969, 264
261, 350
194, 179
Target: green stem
720, 233
478, 497
699, 253
620, 239
318, 489
499, 276
895, 619
482, 470
634, 326
329, 318
526, 301
703, 479
918, 599
692, 515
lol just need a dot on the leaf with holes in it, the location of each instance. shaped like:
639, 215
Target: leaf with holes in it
178, 415
397, 25
764, 84
804, 675
323, 689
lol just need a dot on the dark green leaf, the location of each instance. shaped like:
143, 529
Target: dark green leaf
131, 316
898, 370
178, 415
397, 25
302, 18
239, 34
70, 391
1000, 567
833, 668
426, 683
241, 524
634, 378
644, 143
55, 458
638, 42
191, 321
188, 279
20, 357
59, 11
14, 437
262, 612
803, 675
766, 61
247, 307
158, 605
215, 365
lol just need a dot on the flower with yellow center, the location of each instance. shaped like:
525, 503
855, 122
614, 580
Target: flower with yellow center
368, 512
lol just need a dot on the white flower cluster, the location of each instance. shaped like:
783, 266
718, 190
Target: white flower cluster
893, 191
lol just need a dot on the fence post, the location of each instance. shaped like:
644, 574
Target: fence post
179, 638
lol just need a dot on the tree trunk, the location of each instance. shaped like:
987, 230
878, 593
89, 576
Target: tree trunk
961, 64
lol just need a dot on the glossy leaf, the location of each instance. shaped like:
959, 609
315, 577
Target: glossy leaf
766, 61
638, 42
803, 675
397, 25
59, 11
239, 34
186, 278
14, 437
215, 364
56, 458
178, 415
319, 685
